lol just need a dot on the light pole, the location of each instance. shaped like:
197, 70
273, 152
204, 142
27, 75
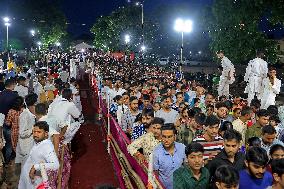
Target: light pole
7, 24
183, 26
142, 19
127, 40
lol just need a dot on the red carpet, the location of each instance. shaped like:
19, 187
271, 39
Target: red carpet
91, 164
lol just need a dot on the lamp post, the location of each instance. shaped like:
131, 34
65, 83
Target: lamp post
7, 24
183, 26
142, 20
127, 40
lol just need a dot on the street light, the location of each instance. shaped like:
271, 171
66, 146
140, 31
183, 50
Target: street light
143, 48
57, 44
7, 24
183, 26
39, 44
32, 32
127, 38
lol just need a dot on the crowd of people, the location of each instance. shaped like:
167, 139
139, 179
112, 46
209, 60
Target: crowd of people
40, 112
194, 137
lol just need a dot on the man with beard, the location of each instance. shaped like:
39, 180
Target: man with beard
42, 154
139, 128
168, 156
129, 116
192, 175
230, 155
255, 175
167, 113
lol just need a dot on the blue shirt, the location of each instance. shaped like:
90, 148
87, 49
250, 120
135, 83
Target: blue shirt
138, 130
248, 182
166, 164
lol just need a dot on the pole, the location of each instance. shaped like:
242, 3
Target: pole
181, 54
7, 37
108, 123
142, 25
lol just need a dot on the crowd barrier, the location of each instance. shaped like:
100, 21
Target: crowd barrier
131, 174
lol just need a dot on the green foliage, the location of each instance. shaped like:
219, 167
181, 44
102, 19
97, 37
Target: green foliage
45, 17
234, 27
109, 31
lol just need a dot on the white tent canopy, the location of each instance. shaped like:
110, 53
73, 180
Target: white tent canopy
82, 46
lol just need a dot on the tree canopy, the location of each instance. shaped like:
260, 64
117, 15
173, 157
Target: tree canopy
109, 31
236, 27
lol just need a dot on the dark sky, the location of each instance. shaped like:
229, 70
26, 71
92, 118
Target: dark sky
80, 12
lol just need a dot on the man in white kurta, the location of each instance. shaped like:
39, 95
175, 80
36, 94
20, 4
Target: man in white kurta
42, 154
73, 68
271, 87
256, 71
227, 76
62, 109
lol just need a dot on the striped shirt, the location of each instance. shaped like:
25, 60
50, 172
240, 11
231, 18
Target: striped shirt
212, 148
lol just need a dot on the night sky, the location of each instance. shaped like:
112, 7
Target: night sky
80, 12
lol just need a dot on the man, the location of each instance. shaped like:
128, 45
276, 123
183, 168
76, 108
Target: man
7, 96
256, 71
227, 76
167, 113
192, 175
278, 174
271, 87
268, 137
138, 129
188, 131
255, 175
210, 140
7, 99
146, 103
276, 151
168, 156
129, 116
230, 155
26, 123
117, 90
240, 124
41, 115
226, 177
64, 110
21, 87
42, 155
147, 141
256, 129
222, 112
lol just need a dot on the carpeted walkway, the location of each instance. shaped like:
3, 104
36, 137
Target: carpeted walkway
91, 164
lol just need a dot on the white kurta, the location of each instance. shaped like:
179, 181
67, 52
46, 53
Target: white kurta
61, 111
41, 153
73, 68
256, 71
225, 81
269, 92
26, 141
22, 90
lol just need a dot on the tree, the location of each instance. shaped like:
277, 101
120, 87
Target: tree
45, 16
109, 30
235, 27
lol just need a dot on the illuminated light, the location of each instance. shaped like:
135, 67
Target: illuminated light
6, 19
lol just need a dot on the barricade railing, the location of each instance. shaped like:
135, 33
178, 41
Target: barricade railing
131, 174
